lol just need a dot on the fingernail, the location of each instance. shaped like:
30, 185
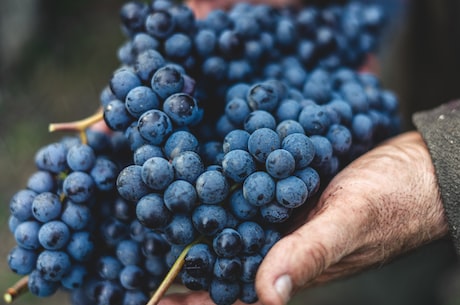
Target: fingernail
283, 287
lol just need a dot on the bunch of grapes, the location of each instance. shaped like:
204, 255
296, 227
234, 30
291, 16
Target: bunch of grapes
221, 129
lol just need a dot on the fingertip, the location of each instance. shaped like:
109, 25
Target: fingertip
274, 284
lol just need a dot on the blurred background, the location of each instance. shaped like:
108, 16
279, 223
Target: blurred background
57, 55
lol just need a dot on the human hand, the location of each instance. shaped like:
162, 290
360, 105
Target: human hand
383, 204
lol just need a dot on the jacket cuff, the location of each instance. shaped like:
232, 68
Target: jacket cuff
440, 129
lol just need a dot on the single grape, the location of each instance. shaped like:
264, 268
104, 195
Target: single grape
240, 207
132, 277
182, 108
252, 235
250, 265
53, 265
178, 46
273, 212
227, 268
146, 64
109, 292
157, 173
154, 126
78, 187
154, 244
224, 292
81, 246
280, 164
26, 235
311, 179
140, 99
301, 148
291, 192
160, 24
151, 211
128, 252
178, 142
212, 187
199, 261
146, 152
166, 81
52, 158
259, 188
209, 219
41, 181
259, 119
180, 197
340, 138
21, 204
75, 278
187, 166
81, 158
262, 142
122, 81
180, 230
235, 139
41, 287
22, 261
130, 184
54, 235
228, 243
108, 267
263, 96
238, 165
46, 206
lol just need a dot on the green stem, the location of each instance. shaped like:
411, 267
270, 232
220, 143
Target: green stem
19, 288
80, 125
172, 274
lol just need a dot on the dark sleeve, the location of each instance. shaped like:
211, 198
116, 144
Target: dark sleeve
440, 128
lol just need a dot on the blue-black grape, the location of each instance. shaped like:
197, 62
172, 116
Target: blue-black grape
157, 173
41, 181
209, 219
154, 126
54, 235
132, 277
227, 243
128, 252
75, 278
22, 261
40, 286
212, 187
224, 292
259, 188
199, 261
152, 212
180, 197
21, 204
78, 187
53, 265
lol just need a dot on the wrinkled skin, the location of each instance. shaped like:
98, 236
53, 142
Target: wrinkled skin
382, 205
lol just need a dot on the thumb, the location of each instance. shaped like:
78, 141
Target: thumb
302, 256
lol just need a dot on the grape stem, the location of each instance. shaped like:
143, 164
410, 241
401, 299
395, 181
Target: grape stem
172, 274
19, 288
80, 125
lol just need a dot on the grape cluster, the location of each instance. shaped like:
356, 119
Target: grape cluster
249, 42
221, 129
